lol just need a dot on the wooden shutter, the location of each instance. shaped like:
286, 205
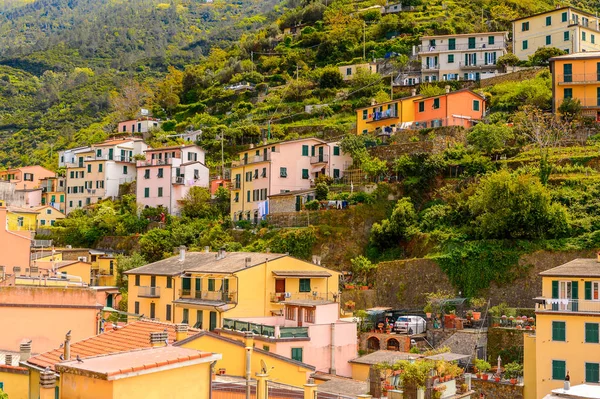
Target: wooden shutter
588, 291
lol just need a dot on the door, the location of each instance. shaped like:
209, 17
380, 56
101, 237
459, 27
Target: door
265, 154
109, 301
451, 44
280, 285
320, 154
298, 203
213, 320
198, 287
111, 152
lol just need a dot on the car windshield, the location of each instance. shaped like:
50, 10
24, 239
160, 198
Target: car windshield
403, 319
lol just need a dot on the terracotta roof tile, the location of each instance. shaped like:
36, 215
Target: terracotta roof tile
132, 336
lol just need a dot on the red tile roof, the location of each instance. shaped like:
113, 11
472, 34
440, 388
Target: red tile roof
134, 335
107, 366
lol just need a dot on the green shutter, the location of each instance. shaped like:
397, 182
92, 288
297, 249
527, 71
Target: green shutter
558, 331
304, 285
211, 284
588, 290
297, 354
554, 289
558, 369
304, 150
471, 42
198, 284
591, 333
305, 173
575, 290
592, 372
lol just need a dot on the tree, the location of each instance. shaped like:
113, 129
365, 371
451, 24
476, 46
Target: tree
398, 227
362, 269
429, 90
321, 191
197, 204
543, 54
508, 59
570, 109
489, 137
128, 103
223, 201
125, 263
3, 395
510, 206
330, 78
155, 245
545, 131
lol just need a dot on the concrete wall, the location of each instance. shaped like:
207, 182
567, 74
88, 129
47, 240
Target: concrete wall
496, 390
9, 194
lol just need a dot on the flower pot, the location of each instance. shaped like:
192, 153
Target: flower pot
428, 315
478, 375
513, 381
476, 315
447, 378
485, 376
497, 379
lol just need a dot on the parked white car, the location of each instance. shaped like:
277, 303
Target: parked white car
410, 325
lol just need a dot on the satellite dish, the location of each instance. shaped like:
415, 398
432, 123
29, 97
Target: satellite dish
263, 367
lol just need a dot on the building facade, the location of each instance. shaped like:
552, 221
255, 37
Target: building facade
53, 192
26, 177
565, 28
386, 117
577, 76
47, 216
279, 167
142, 125
349, 71
456, 108
471, 56
567, 337
167, 175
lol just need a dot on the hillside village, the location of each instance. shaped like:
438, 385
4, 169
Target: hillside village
305, 199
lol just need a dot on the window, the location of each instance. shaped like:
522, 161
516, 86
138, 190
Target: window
564, 17
471, 42
566, 36
160, 173
304, 150
283, 172
365, 114
336, 173
559, 369
348, 71
305, 173
304, 285
591, 333
593, 38
72, 175
422, 106
160, 191
237, 197
152, 310
451, 44
266, 348
100, 167
567, 73
43, 222
137, 280
475, 105
89, 168
436, 103
548, 20
558, 331
290, 313
592, 287
525, 45
309, 315
248, 196
548, 40
147, 192
211, 284
336, 150
136, 308
491, 39
264, 173
568, 93
186, 316
592, 372
124, 169
147, 174
583, 36
20, 221
297, 354
450, 58
168, 313
524, 26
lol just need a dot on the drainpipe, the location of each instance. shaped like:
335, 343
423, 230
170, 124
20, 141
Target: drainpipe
248, 369
210, 375
332, 368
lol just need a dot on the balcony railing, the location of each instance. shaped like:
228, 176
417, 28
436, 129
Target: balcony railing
118, 158
586, 102
482, 65
321, 158
567, 305
462, 47
265, 330
218, 296
430, 67
149, 292
578, 78
154, 162
252, 159
295, 296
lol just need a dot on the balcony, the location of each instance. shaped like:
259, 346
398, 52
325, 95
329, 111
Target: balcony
586, 102
149, 292
566, 305
381, 115
88, 158
253, 159
155, 162
425, 49
430, 67
265, 330
578, 78
216, 296
469, 66
279, 297
321, 158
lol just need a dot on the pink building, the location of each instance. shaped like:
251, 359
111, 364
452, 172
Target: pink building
141, 125
26, 177
14, 245
168, 173
281, 167
307, 330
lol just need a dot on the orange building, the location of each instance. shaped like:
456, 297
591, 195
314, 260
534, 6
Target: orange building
457, 108
26, 177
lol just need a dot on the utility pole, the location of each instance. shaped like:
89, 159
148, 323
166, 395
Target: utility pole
252, 59
296, 72
222, 158
364, 40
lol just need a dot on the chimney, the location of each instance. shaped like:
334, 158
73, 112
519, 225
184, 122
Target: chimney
181, 332
207, 249
413, 92
67, 346
268, 250
251, 146
249, 339
8, 359
221, 253
47, 384
373, 102
447, 89
182, 253
25, 349
158, 339
316, 260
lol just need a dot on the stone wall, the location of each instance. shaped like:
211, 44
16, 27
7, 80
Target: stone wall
496, 390
282, 204
506, 342
371, 341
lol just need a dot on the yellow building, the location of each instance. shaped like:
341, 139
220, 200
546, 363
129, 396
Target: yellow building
567, 335
47, 215
565, 28
577, 76
233, 362
386, 116
202, 288
20, 219
13, 378
53, 192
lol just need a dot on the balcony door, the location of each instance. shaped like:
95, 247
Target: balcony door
566, 291
280, 285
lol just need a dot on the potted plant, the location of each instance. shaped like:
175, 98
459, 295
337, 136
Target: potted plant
438, 391
428, 309
350, 304
483, 368
464, 388
497, 377
513, 371
477, 303
469, 315
349, 286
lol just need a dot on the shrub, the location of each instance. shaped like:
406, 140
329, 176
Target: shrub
321, 191
312, 205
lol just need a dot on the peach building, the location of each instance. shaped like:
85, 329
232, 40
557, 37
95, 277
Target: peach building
142, 125
14, 245
308, 331
53, 192
456, 108
26, 177
281, 167
168, 173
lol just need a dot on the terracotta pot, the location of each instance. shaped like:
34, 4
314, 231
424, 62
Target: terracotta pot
513, 381
476, 315
497, 379
428, 315
364, 288
349, 287
448, 378
478, 375
485, 377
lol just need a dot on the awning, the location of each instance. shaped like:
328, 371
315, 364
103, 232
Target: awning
301, 273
